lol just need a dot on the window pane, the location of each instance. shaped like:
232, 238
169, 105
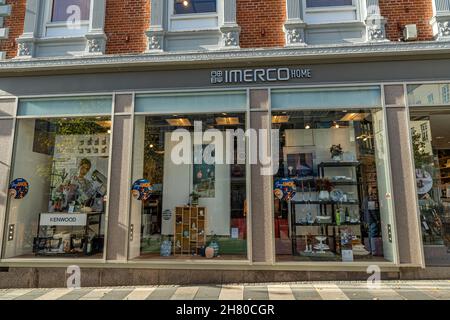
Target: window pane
194, 205
431, 150
64, 162
429, 94
64, 10
194, 6
333, 169
328, 3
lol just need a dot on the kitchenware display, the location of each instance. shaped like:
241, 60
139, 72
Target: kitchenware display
322, 247
337, 195
323, 219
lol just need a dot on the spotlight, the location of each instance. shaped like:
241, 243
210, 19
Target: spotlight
307, 127
185, 3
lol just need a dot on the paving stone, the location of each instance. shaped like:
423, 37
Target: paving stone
75, 294
305, 292
162, 293
256, 293
117, 294
208, 293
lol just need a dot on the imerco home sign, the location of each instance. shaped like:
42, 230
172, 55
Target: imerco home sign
258, 75
63, 219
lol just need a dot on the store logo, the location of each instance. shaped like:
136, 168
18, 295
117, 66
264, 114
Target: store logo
258, 75
74, 20
212, 147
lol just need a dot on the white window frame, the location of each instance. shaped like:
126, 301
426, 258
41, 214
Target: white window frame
194, 21
330, 14
60, 29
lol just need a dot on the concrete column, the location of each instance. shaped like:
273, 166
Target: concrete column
230, 29
25, 43
403, 178
294, 28
156, 32
7, 109
96, 38
261, 187
119, 200
375, 22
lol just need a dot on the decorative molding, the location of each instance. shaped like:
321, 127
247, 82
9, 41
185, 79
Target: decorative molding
444, 29
441, 26
230, 37
375, 22
155, 41
375, 49
25, 49
95, 44
295, 34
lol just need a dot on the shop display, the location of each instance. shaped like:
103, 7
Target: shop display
285, 189
190, 226
18, 188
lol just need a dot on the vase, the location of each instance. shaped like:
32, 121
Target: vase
324, 195
209, 252
215, 246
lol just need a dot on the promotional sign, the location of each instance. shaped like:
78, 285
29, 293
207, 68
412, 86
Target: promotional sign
18, 188
63, 219
141, 189
285, 189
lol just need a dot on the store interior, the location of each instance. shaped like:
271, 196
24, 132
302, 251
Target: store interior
196, 205
64, 162
431, 149
326, 192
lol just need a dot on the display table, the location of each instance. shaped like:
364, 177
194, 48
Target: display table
68, 233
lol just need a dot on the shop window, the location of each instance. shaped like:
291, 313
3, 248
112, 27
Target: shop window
329, 191
328, 3
195, 208
431, 94
58, 189
432, 170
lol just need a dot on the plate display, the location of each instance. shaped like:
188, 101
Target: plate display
337, 195
18, 188
141, 189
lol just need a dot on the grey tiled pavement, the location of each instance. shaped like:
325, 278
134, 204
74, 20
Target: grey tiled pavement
389, 290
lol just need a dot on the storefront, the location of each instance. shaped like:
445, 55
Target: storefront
114, 172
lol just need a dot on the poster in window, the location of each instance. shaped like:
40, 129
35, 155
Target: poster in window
204, 175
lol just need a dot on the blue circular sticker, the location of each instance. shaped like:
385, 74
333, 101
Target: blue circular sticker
18, 188
285, 189
141, 189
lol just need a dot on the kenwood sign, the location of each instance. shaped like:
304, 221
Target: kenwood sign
258, 75
63, 219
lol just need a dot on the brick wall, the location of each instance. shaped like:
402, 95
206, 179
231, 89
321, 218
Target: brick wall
15, 25
125, 25
261, 22
402, 12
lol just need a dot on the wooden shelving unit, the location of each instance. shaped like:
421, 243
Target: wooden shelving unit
190, 230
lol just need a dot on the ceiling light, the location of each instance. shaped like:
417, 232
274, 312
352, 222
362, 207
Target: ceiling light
336, 125
280, 119
185, 3
354, 116
179, 122
440, 138
109, 131
151, 146
227, 121
224, 113
307, 127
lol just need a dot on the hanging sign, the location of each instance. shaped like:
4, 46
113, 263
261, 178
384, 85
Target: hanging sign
285, 189
18, 188
141, 189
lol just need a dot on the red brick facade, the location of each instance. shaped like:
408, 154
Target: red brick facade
261, 22
125, 25
15, 25
402, 12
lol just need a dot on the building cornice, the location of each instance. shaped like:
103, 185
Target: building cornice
188, 59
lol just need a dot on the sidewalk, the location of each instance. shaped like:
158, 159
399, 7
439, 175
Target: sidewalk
389, 290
